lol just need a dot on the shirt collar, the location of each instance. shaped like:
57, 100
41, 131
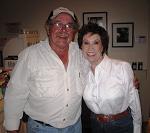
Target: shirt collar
104, 64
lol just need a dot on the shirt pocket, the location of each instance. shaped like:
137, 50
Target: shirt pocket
44, 83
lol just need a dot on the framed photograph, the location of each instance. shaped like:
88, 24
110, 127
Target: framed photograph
96, 17
122, 34
13, 27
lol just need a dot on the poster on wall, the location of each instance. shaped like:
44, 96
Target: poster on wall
122, 34
13, 27
95, 17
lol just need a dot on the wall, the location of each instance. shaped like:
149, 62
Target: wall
33, 13
148, 75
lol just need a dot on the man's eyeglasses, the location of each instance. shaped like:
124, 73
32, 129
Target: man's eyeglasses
59, 25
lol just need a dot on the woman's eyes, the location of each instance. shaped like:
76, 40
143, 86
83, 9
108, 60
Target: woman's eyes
94, 43
86, 43
97, 42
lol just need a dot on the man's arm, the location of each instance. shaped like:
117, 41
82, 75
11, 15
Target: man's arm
16, 95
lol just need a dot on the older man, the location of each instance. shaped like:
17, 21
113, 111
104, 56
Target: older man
46, 82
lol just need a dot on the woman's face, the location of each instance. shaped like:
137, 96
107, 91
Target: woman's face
92, 48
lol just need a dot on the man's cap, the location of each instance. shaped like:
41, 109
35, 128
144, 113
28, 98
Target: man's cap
54, 13
59, 10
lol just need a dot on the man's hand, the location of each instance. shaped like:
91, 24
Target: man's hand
136, 83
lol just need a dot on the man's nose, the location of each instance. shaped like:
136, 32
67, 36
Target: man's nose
63, 27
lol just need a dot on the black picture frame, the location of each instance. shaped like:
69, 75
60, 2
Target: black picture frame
96, 17
122, 34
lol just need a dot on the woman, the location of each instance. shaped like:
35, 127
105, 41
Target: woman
109, 92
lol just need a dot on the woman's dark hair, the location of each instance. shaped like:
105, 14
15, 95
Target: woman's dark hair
94, 28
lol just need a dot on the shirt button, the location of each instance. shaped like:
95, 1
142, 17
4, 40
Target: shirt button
66, 105
67, 89
64, 119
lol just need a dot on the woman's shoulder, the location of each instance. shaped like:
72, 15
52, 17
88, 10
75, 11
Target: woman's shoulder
118, 62
120, 65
